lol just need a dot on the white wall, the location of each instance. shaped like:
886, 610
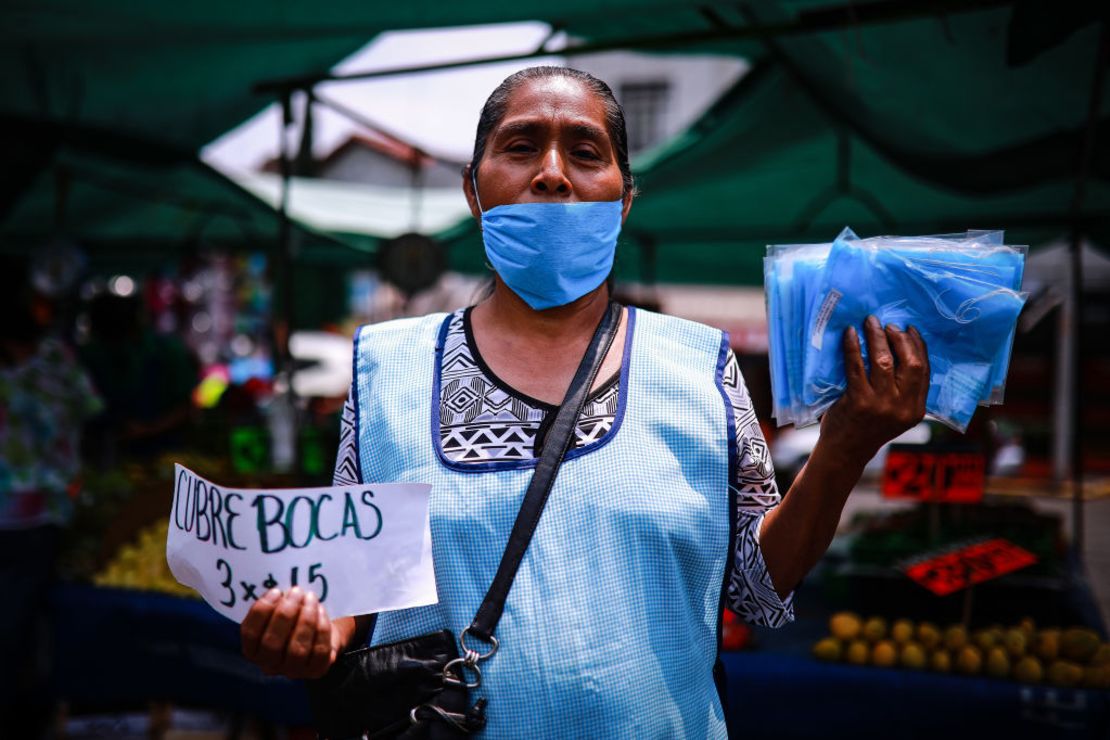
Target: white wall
695, 81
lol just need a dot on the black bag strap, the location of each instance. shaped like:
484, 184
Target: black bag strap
555, 447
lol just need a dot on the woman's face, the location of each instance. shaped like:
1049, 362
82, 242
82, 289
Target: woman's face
552, 145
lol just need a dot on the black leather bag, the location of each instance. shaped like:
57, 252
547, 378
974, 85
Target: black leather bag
378, 691
418, 688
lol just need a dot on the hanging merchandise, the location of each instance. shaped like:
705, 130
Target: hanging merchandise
961, 292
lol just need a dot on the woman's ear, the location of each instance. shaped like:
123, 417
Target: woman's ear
626, 205
468, 191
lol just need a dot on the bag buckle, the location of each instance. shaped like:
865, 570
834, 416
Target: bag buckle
456, 721
460, 679
471, 657
469, 660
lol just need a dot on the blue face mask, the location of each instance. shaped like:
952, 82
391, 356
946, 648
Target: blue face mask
550, 254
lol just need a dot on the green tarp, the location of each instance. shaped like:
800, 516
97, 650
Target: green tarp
911, 118
915, 127
134, 210
131, 79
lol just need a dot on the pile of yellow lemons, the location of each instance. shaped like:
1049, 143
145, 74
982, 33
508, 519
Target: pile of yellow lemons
1061, 657
142, 564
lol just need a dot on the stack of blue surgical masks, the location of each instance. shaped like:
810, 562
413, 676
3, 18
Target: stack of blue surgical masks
961, 292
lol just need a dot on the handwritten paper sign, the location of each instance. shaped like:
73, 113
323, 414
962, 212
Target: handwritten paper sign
362, 549
925, 473
955, 569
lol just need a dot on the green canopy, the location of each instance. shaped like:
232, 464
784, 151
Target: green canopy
158, 81
912, 127
135, 209
886, 116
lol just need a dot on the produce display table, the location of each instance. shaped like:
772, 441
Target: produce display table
781, 695
778, 690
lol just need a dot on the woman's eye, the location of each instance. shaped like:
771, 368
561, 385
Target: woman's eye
586, 154
520, 147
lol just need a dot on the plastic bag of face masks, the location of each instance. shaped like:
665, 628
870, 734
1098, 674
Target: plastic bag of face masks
792, 277
960, 298
939, 276
1002, 267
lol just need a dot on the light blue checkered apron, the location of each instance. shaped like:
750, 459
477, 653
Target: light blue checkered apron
611, 626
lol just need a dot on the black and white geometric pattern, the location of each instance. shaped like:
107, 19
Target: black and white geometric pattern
756, 490
751, 593
481, 419
347, 469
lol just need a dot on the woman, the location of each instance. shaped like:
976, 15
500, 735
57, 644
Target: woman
613, 619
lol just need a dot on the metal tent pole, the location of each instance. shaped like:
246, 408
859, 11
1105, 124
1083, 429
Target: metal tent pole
806, 22
285, 235
283, 423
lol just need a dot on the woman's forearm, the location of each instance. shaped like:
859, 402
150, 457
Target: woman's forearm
797, 532
878, 405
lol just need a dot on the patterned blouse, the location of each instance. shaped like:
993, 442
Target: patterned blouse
482, 419
43, 404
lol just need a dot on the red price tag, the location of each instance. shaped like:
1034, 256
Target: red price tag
928, 474
953, 570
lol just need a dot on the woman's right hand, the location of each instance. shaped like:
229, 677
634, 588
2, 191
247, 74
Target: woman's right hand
291, 635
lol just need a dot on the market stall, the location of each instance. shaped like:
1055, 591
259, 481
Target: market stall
814, 136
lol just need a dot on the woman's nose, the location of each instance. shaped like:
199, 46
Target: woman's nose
552, 178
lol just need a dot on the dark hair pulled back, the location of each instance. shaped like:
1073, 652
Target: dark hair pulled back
498, 102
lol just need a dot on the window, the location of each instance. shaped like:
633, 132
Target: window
645, 105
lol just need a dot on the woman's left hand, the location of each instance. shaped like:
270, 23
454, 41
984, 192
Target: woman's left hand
872, 411
876, 409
